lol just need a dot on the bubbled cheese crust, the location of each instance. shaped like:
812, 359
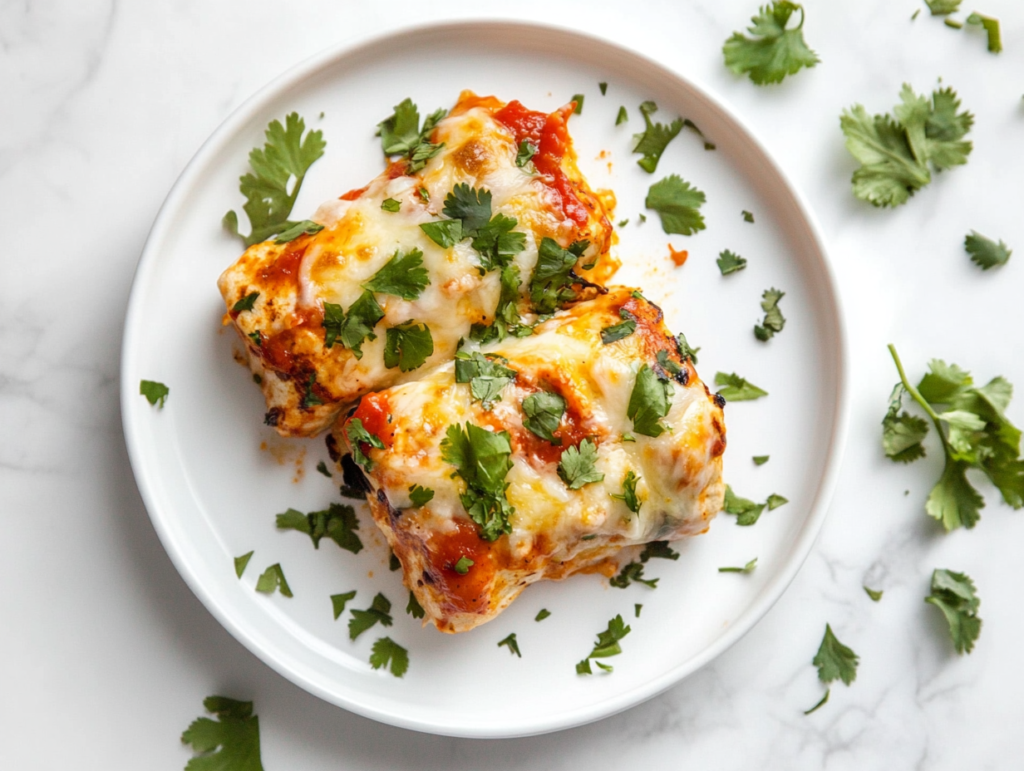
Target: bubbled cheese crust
555, 531
294, 280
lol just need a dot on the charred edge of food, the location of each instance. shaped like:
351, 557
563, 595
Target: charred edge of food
332, 448
578, 279
393, 513
720, 400
353, 477
272, 416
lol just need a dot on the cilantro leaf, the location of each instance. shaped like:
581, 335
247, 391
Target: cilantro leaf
338, 522
874, 594
542, 614
747, 216
407, 346
737, 389
953, 501
378, 612
386, 650
463, 565
512, 644
287, 155
774, 501
577, 466
954, 594
230, 743
608, 641
747, 512
544, 411
617, 332
338, 602
322, 468
246, 303
894, 152
470, 205
943, 7
677, 204
526, 151
748, 568
413, 607
155, 392
403, 276
578, 98
506, 315
273, 578
730, 263
774, 52
659, 550
991, 26
634, 571
604, 88
622, 117
391, 205
552, 279
355, 326
628, 495
649, 402
985, 252
834, 660
485, 375
496, 243
760, 460
651, 143
444, 233
241, 563
685, 351
773, 320
305, 227
357, 436
482, 459
902, 434
400, 134
420, 496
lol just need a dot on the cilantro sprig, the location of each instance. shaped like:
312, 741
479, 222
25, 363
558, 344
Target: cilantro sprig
651, 143
834, 660
773, 319
974, 431
273, 185
678, 204
400, 134
482, 459
229, 743
607, 645
895, 152
955, 595
775, 51
470, 216
628, 494
338, 522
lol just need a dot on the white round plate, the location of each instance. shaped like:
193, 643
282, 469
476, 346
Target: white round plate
213, 476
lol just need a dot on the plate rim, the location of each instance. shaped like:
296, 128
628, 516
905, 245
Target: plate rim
159, 232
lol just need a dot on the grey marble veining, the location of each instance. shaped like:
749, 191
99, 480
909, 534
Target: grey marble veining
106, 654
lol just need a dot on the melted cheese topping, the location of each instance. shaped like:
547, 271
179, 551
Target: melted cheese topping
555, 530
295, 280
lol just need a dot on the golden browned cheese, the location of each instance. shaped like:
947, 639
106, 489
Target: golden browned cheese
306, 384
555, 531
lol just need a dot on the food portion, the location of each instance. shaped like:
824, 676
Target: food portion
483, 223
539, 457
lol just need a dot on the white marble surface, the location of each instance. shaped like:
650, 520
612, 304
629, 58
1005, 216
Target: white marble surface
105, 654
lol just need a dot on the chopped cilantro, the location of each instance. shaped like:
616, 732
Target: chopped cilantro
747, 216
943, 7
874, 594
603, 87
420, 496
774, 501
667, 364
760, 460
607, 644
378, 612
577, 466
823, 702
617, 332
305, 227
155, 392
991, 26
413, 607
975, 433
677, 204
649, 402
748, 568
634, 571
659, 550
273, 578
552, 280
486, 376
246, 303
685, 351
578, 98
747, 512
471, 206
544, 412
512, 644
737, 389
386, 650
834, 660
985, 252
628, 495
444, 233
526, 151
954, 594
773, 320
774, 52
322, 468
310, 398
424, 194
355, 326
393, 562
894, 152
338, 602
651, 143
463, 565
400, 134
542, 614
482, 459
403, 276
622, 117
338, 522
229, 743
728, 262
407, 346
357, 436
286, 155
623, 223
391, 205
241, 563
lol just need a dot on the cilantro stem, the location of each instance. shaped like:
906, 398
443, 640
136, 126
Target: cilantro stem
918, 398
